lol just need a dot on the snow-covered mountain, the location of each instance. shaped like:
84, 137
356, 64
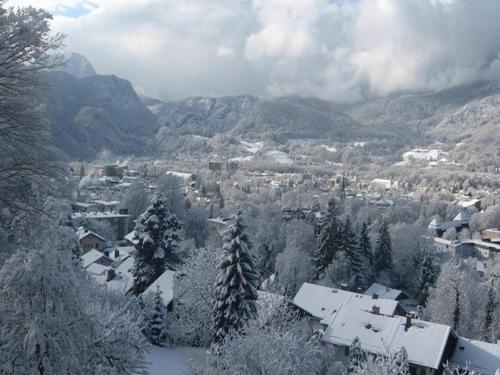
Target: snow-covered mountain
78, 66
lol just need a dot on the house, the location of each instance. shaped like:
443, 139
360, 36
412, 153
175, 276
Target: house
216, 226
90, 257
470, 203
90, 240
440, 226
382, 291
215, 166
119, 222
165, 283
492, 235
482, 357
428, 345
131, 240
321, 303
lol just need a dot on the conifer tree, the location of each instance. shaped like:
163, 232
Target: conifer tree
356, 356
329, 240
382, 256
236, 286
426, 278
157, 233
490, 318
352, 253
155, 323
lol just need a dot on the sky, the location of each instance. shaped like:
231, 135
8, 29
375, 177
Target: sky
340, 50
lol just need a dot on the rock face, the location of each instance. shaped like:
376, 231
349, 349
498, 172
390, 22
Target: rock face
95, 113
78, 66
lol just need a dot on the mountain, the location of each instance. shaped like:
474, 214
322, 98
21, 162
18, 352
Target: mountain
78, 66
95, 113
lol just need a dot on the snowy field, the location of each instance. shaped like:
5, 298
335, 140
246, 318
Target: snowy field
279, 157
171, 361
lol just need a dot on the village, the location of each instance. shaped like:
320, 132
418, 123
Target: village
381, 317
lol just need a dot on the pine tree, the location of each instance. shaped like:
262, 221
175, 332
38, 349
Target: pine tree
155, 323
382, 257
489, 320
157, 233
329, 240
365, 251
426, 278
356, 355
236, 286
352, 253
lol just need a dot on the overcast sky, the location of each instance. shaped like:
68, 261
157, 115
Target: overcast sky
333, 49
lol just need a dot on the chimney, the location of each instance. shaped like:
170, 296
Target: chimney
376, 309
375, 296
408, 322
110, 274
117, 253
106, 253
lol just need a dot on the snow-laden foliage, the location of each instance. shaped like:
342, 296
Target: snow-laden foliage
26, 162
426, 277
389, 364
157, 233
192, 319
382, 253
294, 265
135, 200
237, 282
329, 239
284, 348
54, 321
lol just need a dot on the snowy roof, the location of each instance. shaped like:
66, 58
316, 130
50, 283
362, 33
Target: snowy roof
130, 237
96, 269
82, 233
107, 203
166, 284
90, 257
481, 356
98, 215
383, 291
462, 217
470, 203
322, 302
424, 341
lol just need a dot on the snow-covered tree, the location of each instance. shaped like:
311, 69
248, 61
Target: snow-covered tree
353, 254
54, 321
156, 322
157, 233
135, 200
236, 286
382, 254
294, 265
356, 355
426, 278
490, 324
365, 244
194, 296
196, 225
387, 364
329, 240
169, 186
449, 301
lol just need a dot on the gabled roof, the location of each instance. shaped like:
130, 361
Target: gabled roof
130, 237
383, 291
462, 217
90, 257
480, 356
424, 342
82, 233
322, 302
166, 284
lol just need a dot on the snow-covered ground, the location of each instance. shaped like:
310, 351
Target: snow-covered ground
424, 154
279, 157
171, 361
253, 148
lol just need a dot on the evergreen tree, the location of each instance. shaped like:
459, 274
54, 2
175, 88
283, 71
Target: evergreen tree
356, 355
382, 257
366, 252
157, 233
329, 240
353, 254
155, 323
426, 278
236, 286
490, 318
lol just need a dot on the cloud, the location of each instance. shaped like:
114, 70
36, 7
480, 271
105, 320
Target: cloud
340, 50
